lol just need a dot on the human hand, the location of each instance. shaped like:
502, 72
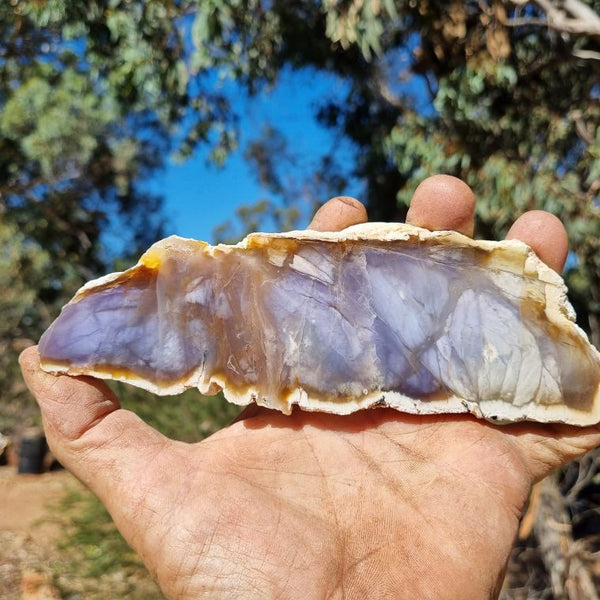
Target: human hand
378, 504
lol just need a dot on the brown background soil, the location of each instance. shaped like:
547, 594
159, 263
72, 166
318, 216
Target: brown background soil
29, 532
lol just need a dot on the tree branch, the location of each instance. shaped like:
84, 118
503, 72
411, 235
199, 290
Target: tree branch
563, 558
566, 16
587, 54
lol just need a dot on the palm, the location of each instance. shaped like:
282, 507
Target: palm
357, 502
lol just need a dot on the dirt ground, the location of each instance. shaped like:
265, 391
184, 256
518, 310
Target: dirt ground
28, 532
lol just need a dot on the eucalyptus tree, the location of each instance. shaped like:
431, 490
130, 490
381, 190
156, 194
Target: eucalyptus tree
94, 96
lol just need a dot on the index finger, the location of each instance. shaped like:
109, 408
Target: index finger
338, 213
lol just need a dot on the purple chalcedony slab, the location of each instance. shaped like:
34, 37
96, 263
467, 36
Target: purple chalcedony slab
376, 315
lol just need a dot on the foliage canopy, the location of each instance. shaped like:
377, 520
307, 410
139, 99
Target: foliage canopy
95, 95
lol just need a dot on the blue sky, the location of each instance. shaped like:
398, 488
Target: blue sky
198, 196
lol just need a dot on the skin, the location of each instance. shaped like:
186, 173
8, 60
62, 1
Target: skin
377, 504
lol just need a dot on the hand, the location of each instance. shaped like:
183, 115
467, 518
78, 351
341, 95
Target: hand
378, 504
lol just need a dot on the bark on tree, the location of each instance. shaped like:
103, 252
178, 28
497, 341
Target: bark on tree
563, 557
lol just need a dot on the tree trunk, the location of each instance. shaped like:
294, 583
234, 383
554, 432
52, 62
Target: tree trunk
563, 558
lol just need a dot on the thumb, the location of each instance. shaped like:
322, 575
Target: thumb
102, 444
